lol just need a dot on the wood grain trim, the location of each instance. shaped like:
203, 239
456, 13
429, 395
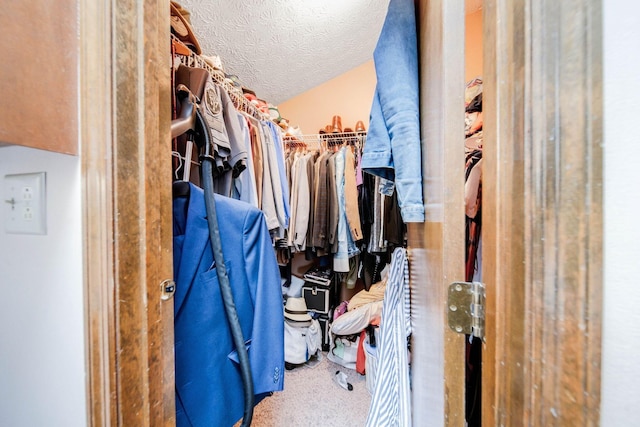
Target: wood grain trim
158, 210
542, 231
142, 204
96, 146
593, 280
125, 125
490, 30
132, 343
437, 246
566, 203
503, 215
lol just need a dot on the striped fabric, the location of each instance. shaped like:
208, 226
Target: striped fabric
391, 402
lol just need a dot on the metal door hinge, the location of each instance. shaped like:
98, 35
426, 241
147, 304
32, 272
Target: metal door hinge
466, 302
167, 289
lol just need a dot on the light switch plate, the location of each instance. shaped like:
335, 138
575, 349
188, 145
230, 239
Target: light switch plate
24, 203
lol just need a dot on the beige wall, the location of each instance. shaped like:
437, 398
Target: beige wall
348, 96
39, 74
473, 45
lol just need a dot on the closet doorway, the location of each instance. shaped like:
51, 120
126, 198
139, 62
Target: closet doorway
542, 228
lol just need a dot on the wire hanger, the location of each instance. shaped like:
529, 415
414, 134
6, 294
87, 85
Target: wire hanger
180, 164
187, 117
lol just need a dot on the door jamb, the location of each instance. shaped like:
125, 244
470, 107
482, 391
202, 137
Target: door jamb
436, 247
542, 227
126, 190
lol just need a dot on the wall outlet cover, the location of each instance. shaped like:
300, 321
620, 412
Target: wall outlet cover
25, 203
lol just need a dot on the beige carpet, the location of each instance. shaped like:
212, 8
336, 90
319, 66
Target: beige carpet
312, 398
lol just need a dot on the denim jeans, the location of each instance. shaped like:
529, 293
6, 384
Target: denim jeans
393, 149
284, 182
346, 246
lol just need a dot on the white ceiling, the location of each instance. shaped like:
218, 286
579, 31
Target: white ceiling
281, 48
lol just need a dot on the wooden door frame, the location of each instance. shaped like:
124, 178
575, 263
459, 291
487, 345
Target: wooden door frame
436, 248
125, 155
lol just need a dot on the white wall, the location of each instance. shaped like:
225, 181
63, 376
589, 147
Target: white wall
42, 351
621, 328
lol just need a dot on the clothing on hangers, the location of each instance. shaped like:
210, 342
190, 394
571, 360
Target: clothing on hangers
235, 141
208, 383
393, 149
211, 375
473, 225
391, 401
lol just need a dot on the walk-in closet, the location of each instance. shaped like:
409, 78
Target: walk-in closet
288, 143
302, 149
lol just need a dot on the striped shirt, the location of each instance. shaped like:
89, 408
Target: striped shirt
391, 402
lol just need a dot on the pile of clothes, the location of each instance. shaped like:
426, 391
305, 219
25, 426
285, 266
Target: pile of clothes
355, 327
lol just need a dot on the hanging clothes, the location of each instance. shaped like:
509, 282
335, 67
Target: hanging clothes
311, 174
276, 134
237, 159
351, 195
248, 149
333, 206
272, 179
320, 224
473, 221
208, 384
473, 174
340, 191
341, 256
393, 149
300, 197
257, 156
245, 151
244, 185
377, 243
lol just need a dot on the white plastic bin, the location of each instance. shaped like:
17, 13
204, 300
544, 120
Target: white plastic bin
371, 363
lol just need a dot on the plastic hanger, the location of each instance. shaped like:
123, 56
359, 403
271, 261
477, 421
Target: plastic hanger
187, 117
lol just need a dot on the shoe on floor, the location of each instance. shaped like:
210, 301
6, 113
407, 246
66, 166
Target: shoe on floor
341, 379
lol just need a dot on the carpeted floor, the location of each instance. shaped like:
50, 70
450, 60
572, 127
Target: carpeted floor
312, 398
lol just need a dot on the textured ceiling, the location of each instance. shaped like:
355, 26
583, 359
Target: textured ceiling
281, 48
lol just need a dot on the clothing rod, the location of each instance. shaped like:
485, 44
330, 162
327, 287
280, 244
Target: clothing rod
327, 135
323, 137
